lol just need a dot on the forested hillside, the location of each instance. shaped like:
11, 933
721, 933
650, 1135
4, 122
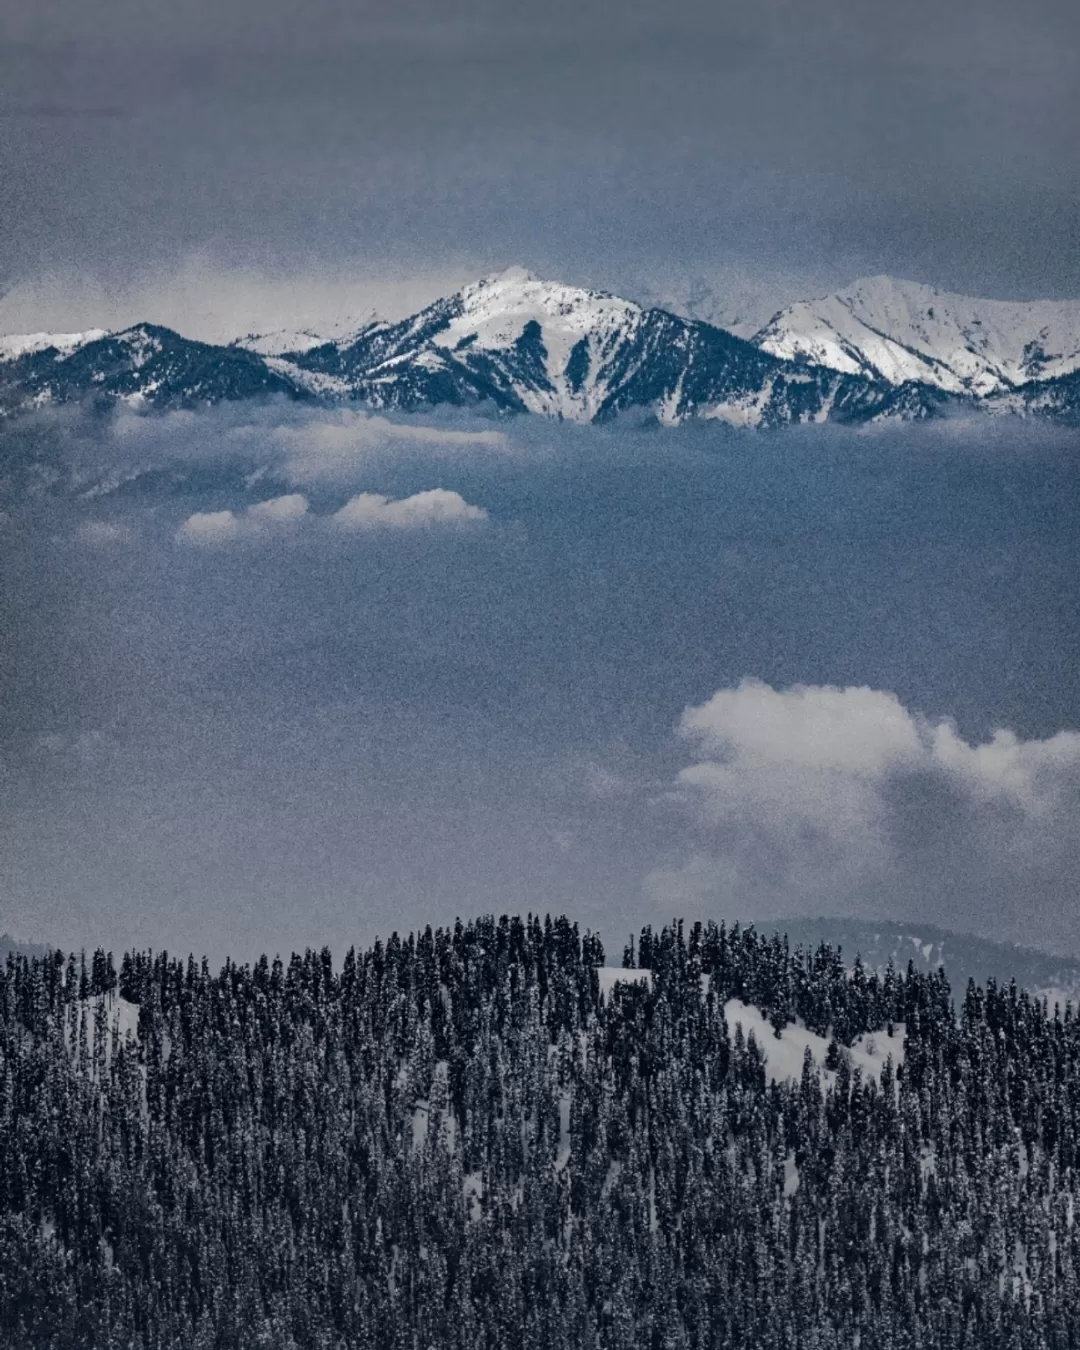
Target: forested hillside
482, 1137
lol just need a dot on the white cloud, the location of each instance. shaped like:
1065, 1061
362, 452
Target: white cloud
436, 506
815, 797
210, 527
366, 511
218, 527
859, 730
128, 423
207, 298
806, 742
293, 506
1030, 774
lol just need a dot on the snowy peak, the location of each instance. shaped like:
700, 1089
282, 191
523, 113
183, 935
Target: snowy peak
512, 339
497, 308
901, 331
287, 341
554, 342
15, 345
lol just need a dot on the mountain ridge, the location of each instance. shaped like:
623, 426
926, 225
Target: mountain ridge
520, 344
900, 330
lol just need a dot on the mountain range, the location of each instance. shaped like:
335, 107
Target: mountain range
880, 350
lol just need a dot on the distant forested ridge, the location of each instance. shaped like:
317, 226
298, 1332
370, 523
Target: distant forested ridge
17, 947
482, 1137
965, 956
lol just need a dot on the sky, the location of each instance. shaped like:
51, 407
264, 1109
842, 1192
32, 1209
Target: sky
273, 677
234, 165
279, 677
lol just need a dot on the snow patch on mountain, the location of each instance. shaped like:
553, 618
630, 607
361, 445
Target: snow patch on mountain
108, 1013
288, 341
748, 410
496, 309
316, 382
903, 331
14, 345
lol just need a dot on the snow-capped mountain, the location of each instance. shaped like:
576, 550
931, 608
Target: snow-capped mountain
572, 336
527, 345
144, 366
520, 344
900, 331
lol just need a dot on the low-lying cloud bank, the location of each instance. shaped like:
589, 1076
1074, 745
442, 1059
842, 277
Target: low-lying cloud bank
329, 446
815, 797
365, 511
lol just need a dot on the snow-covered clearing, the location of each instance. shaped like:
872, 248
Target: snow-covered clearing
784, 1056
119, 1015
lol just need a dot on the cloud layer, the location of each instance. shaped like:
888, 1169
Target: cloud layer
329, 447
436, 506
814, 795
365, 511
260, 519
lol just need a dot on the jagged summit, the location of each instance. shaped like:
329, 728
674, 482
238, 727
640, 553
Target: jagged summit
899, 330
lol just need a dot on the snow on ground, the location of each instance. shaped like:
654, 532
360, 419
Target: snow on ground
283, 341
118, 1014
610, 976
784, 1056
473, 1189
562, 1157
315, 381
